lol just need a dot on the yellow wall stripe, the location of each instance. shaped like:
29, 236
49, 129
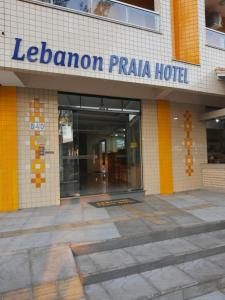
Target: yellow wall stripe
8, 150
185, 30
165, 147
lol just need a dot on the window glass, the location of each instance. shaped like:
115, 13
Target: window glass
131, 106
216, 140
112, 104
69, 100
81, 5
89, 102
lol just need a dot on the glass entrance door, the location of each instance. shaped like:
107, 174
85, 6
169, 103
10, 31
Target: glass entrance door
69, 153
99, 145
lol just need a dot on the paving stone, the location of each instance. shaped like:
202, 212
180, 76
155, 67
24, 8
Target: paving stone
210, 214
47, 291
199, 289
109, 260
178, 246
51, 264
132, 227
185, 201
70, 289
132, 287
202, 270
212, 296
147, 252
86, 265
186, 219
218, 259
14, 272
96, 292
204, 240
169, 278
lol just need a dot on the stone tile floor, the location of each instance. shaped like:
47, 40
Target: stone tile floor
80, 223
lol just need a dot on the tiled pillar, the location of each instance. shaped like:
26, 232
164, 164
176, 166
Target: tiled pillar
185, 30
8, 150
150, 147
165, 147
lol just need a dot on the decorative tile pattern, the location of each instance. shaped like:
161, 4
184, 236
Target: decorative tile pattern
188, 144
37, 143
38, 150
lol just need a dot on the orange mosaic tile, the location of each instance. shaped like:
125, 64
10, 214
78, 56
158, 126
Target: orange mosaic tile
37, 125
188, 144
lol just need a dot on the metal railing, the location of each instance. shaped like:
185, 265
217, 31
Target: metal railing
114, 10
215, 38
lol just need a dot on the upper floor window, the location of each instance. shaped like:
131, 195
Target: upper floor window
134, 12
215, 23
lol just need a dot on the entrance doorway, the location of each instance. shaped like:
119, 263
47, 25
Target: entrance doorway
99, 146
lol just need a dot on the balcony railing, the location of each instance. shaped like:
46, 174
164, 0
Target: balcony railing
215, 38
114, 10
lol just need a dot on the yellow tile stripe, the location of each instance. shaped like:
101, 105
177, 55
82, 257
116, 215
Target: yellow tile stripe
165, 147
185, 30
8, 150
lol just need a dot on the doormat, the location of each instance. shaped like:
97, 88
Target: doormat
117, 202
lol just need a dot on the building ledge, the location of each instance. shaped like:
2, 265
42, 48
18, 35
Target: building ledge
220, 73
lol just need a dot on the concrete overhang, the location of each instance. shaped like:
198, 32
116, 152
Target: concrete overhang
220, 73
8, 78
215, 114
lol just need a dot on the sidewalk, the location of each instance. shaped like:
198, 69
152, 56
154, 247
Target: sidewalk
82, 223
40, 240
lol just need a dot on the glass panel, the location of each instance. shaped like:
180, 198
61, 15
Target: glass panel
113, 10
215, 38
142, 18
109, 9
216, 140
89, 102
99, 150
68, 153
109, 152
134, 152
69, 100
131, 106
81, 5
112, 104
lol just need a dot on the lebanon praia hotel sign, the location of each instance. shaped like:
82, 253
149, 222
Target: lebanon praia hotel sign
43, 54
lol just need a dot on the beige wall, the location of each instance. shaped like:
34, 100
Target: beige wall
48, 193
151, 179
213, 176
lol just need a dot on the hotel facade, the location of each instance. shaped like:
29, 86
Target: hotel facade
107, 97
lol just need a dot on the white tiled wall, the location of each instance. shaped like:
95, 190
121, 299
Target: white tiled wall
48, 193
82, 34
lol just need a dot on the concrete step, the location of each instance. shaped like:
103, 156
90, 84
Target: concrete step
154, 236
199, 279
111, 264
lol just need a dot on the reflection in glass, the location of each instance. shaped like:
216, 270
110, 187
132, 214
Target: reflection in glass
68, 153
215, 38
109, 9
80, 5
216, 140
114, 10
